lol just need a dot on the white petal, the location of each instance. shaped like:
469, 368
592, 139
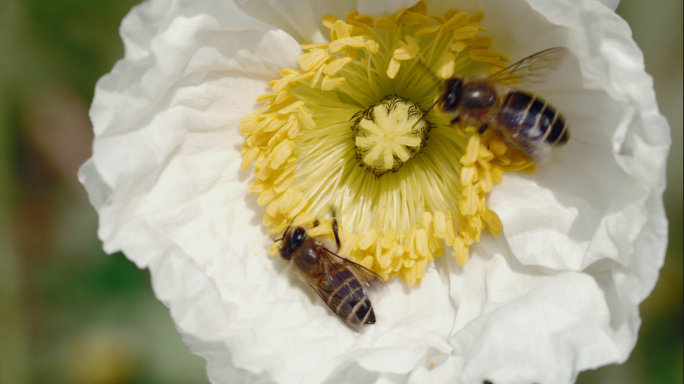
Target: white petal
526, 324
301, 19
612, 4
383, 8
597, 206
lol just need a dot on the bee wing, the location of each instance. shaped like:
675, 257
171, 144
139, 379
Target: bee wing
531, 70
336, 305
328, 287
370, 280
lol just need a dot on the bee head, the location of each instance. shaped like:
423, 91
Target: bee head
451, 94
292, 239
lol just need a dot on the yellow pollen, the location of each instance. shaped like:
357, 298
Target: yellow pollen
345, 132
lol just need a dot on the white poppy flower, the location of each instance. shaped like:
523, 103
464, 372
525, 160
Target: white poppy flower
554, 292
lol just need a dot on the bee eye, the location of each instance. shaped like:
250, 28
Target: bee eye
452, 94
298, 237
292, 241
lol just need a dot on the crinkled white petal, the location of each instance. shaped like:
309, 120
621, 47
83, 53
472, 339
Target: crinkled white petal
299, 18
383, 8
584, 236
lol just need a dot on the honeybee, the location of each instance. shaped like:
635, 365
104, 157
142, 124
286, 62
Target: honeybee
342, 284
523, 120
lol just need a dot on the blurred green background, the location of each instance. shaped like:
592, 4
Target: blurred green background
71, 314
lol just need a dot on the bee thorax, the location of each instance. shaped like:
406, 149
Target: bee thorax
478, 96
307, 260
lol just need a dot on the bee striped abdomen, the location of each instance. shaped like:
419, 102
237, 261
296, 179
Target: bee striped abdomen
530, 119
348, 299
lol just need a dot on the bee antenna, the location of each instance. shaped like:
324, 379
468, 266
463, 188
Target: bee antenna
438, 84
435, 78
425, 114
287, 229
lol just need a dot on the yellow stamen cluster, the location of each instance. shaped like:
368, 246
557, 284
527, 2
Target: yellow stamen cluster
409, 252
269, 133
305, 143
485, 161
460, 28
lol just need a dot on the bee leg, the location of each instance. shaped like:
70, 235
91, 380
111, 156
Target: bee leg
316, 223
483, 128
337, 236
455, 120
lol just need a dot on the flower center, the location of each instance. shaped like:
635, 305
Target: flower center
348, 134
388, 134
